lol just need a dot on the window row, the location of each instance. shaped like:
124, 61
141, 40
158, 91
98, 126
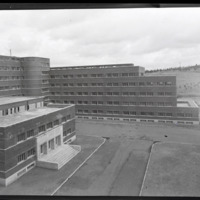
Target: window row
6, 78
10, 87
113, 93
6, 68
124, 84
115, 112
68, 132
94, 75
24, 156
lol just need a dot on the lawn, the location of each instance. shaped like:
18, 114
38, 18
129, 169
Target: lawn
173, 170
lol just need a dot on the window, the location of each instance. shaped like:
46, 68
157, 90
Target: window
21, 157
133, 93
109, 84
100, 111
100, 93
109, 112
116, 112
21, 137
132, 84
94, 111
149, 83
94, 93
180, 114
109, 102
169, 114
131, 74
124, 74
79, 111
41, 128
79, 102
132, 113
85, 111
141, 84
64, 133
125, 94
85, 84
126, 112
161, 114
68, 117
31, 152
109, 75
149, 103
49, 125
168, 93
64, 119
115, 93
65, 76
116, 102
56, 122
100, 102
85, 75
93, 75
79, 93
142, 103
126, 103
168, 104
71, 93
79, 84
79, 75
100, 84
115, 75
133, 103
85, 102
160, 103
109, 93
85, 93
160, 93
115, 84
94, 102
188, 114
168, 83
160, 83
71, 84
149, 93
124, 84
30, 133
99, 75
142, 93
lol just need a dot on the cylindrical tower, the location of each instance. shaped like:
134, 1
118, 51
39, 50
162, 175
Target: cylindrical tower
36, 76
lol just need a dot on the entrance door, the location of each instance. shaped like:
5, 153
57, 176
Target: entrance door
58, 140
51, 144
43, 148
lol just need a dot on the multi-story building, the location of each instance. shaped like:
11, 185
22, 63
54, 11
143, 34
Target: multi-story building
32, 134
27, 76
119, 92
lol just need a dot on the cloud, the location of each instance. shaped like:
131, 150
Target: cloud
153, 38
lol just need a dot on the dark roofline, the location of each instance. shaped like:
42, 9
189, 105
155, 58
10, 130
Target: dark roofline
95, 66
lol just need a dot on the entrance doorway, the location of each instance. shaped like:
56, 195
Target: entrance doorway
51, 144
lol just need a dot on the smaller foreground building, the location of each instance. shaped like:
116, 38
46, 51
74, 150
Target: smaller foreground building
32, 134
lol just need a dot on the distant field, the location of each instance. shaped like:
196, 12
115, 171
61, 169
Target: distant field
188, 83
173, 170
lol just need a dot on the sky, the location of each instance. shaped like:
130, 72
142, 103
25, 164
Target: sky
154, 38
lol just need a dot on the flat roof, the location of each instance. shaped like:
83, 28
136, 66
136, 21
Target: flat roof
94, 66
186, 102
13, 99
26, 115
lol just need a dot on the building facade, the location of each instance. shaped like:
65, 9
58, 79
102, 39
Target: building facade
32, 134
27, 76
119, 92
